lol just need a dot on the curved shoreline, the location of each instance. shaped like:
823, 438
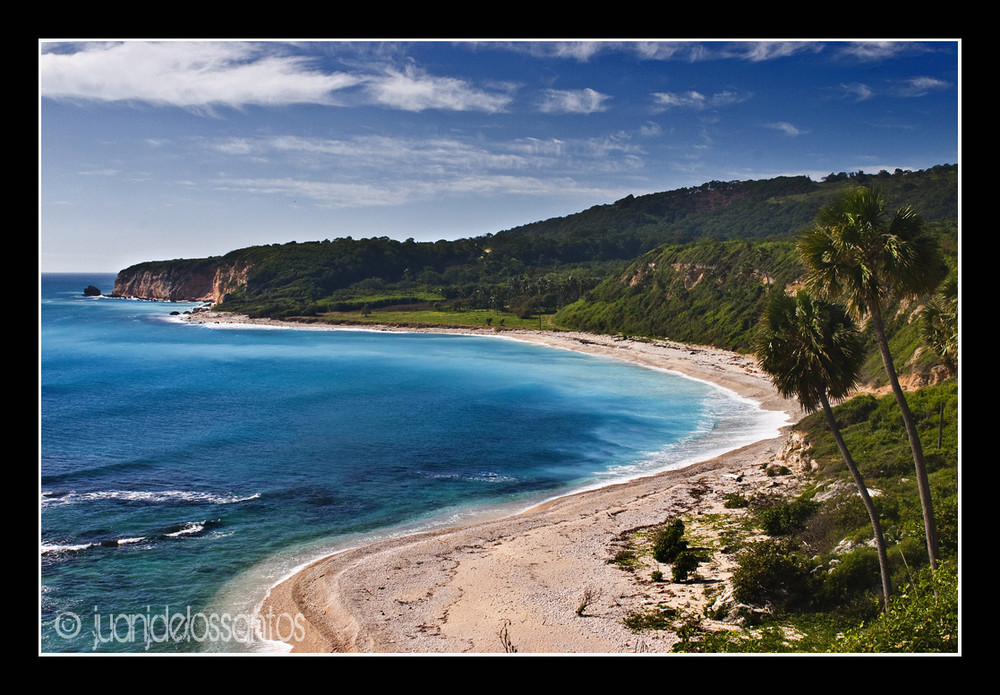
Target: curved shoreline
515, 583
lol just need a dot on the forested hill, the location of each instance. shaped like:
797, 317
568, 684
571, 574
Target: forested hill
717, 210
691, 264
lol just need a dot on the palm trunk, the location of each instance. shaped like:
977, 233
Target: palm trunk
883, 560
923, 485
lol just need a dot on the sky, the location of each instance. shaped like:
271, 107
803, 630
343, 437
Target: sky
155, 150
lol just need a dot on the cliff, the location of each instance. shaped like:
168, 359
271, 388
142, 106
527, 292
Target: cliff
204, 280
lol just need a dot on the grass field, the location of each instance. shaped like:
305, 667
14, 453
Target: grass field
483, 318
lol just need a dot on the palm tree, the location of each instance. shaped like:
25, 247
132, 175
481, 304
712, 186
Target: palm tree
812, 351
863, 255
939, 323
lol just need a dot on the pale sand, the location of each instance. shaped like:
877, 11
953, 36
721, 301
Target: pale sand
515, 584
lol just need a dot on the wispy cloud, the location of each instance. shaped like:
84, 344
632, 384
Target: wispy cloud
586, 51
785, 127
759, 51
411, 89
920, 86
873, 50
192, 75
387, 170
913, 87
572, 101
858, 91
574, 50
697, 100
202, 75
385, 193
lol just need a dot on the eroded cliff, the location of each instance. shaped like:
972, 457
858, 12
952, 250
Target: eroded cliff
176, 281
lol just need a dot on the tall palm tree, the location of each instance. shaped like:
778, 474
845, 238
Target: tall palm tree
812, 351
860, 253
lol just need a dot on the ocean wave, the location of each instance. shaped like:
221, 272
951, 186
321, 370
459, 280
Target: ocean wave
61, 550
486, 477
187, 529
58, 548
144, 497
175, 531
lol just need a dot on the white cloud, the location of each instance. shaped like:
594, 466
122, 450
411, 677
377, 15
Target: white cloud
389, 156
202, 75
692, 100
413, 90
757, 51
650, 129
380, 192
195, 75
786, 128
697, 100
572, 101
384, 170
859, 91
874, 50
576, 50
921, 86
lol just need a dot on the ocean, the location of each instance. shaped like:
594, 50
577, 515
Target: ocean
186, 468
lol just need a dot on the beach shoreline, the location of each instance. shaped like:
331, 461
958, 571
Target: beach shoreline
538, 581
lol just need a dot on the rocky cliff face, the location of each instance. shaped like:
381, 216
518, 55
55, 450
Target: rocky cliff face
180, 281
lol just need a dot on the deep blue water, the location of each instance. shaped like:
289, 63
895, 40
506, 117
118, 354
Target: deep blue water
186, 468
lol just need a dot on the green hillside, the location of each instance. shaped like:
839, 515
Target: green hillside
693, 264
713, 293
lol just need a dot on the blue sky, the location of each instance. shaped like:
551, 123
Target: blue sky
172, 149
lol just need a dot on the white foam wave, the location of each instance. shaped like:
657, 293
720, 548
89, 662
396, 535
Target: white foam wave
189, 528
130, 541
145, 496
56, 548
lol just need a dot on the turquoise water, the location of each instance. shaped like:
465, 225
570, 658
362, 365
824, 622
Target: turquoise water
185, 468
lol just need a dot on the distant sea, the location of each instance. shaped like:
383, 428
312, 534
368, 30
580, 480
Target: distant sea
185, 468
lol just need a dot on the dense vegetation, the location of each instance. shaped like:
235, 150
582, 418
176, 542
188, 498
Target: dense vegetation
706, 292
816, 574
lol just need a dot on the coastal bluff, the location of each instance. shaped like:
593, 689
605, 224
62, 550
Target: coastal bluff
203, 280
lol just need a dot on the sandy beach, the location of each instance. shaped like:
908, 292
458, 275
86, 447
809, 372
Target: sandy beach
540, 582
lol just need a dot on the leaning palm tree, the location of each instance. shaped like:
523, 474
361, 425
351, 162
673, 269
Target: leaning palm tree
860, 253
812, 351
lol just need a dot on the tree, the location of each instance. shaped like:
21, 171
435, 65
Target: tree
860, 253
939, 323
812, 351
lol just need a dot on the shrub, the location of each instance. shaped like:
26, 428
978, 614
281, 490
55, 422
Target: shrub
668, 541
650, 619
623, 558
784, 518
853, 583
734, 500
685, 564
768, 573
922, 618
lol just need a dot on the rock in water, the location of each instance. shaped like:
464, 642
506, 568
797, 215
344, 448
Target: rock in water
91, 291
